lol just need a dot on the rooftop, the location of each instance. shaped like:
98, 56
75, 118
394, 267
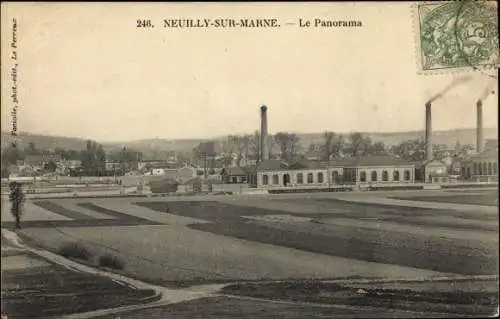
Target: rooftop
376, 160
272, 165
489, 154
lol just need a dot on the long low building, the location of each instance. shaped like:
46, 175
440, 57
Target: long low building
482, 167
355, 171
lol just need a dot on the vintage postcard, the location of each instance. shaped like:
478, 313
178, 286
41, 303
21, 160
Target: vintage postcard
249, 160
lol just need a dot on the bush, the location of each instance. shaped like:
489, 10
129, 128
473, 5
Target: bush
75, 250
110, 261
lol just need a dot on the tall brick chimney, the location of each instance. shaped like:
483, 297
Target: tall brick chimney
428, 132
264, 152
479, 127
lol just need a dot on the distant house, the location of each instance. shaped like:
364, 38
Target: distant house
239, 175
113, 165
196, 185
163, 186
71, 164
149, 164
38, 162
313, 155
433, 171
180, 174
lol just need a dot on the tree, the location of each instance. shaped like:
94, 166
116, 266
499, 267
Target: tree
11, 155
358, 144
100, 158
271, 145
458, 148
228, 147
241, 144
204, 152
50, 166
87, 156
5, 171
411, 150
16, 198
32, 148
254, 145
288, 144
338, 145
378, 148
93, 158
313, 147
333, 145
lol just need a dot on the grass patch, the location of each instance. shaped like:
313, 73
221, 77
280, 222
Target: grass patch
110, 261
75, 250
467, 199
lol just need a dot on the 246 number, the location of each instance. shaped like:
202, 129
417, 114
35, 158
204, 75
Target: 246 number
144, 24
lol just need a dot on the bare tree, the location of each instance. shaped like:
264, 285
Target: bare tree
228, 147
333, 145
410, 150
356, 144
378, 148
338, 145
271, 146
287, 143
241, 146
327, 146
254, 145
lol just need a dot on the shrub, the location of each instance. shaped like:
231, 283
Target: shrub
110, 261
75, 250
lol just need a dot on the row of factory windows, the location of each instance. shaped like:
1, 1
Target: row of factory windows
385, 176
484, 168
336, 177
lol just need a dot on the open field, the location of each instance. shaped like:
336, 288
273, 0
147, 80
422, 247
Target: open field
272, 237
33, 287
239, 307
488, 198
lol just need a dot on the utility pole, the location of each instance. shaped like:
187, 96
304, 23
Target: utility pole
329, 175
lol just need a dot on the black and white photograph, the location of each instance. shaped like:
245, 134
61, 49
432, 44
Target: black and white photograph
264, 160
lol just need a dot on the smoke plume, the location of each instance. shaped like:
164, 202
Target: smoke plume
453, 83
489, 90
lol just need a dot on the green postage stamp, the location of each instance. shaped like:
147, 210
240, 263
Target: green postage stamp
459, 35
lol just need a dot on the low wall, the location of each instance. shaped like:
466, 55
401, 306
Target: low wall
382, 187
232, 188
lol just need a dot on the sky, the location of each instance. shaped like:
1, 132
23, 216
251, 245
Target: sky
86, 70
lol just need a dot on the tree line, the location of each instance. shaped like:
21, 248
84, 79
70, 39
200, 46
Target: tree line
93, 158
286, 146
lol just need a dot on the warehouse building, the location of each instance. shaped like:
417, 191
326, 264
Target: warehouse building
362, 170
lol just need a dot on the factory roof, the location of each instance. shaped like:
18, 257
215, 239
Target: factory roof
376, 160
238, 171
426, 162
272, 165
304, 163
337, 162
489, 154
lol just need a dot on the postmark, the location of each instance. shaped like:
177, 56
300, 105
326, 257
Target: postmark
456, 36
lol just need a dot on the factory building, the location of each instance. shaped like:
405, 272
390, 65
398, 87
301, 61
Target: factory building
303, 172
431, 171
483, 167
362, 171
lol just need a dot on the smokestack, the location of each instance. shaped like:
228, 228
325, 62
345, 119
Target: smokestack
479, 127
264, 152
428, 131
